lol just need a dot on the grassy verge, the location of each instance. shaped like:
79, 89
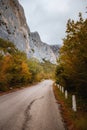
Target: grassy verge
73, 120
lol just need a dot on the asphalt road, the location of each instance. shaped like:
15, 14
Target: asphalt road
33, 108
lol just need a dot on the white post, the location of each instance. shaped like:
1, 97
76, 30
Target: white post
62, 89
58, 85
74, 103
66, 94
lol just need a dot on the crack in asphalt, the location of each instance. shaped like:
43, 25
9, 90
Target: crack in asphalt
27, 113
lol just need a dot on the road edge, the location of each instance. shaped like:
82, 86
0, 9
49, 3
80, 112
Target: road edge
64, 112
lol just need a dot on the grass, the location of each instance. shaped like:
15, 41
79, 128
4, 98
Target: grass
73, 120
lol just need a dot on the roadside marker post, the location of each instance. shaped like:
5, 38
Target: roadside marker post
58, 85
66, 94
74, 103
62, 89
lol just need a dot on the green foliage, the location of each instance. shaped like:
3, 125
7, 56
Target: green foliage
7, 46
16, 70
35, 69
41, 71
49, 69
71, 71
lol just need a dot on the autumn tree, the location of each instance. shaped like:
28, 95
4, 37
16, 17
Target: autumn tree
71, 71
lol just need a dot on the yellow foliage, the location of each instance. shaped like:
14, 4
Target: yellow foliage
25, 71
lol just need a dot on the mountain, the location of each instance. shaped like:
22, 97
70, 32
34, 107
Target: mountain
55, 49
40, 49
13, 27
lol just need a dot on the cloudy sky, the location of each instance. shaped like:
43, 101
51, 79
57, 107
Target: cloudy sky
49, 17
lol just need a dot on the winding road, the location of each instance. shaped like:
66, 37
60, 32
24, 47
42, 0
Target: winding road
32, 108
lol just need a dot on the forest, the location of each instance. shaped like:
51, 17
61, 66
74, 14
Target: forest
71, 71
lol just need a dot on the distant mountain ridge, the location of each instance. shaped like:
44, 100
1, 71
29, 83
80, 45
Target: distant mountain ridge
13, 27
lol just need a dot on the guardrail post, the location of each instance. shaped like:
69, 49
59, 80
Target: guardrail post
62, 89
74, 103
66, 94
58, 85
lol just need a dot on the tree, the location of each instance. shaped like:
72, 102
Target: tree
72, 66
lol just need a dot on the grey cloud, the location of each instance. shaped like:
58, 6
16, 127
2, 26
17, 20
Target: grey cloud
49, 18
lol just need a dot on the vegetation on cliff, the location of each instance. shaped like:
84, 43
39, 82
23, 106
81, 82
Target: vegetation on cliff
16, 70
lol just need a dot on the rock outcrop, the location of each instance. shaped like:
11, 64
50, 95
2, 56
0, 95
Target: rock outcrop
55, 49
13, 27
40, 49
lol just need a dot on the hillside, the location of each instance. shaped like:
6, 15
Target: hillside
13, 27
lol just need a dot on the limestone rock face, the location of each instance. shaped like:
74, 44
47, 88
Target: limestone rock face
55, 49
13, 26
40, 49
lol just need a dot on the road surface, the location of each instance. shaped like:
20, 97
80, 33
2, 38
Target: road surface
33, 108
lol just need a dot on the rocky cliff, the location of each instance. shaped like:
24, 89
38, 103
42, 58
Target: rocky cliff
13, 27
55, 49
40, 49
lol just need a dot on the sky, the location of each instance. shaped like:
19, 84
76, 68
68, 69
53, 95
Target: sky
49, 17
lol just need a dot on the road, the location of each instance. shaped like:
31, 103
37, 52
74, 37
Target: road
32, 108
